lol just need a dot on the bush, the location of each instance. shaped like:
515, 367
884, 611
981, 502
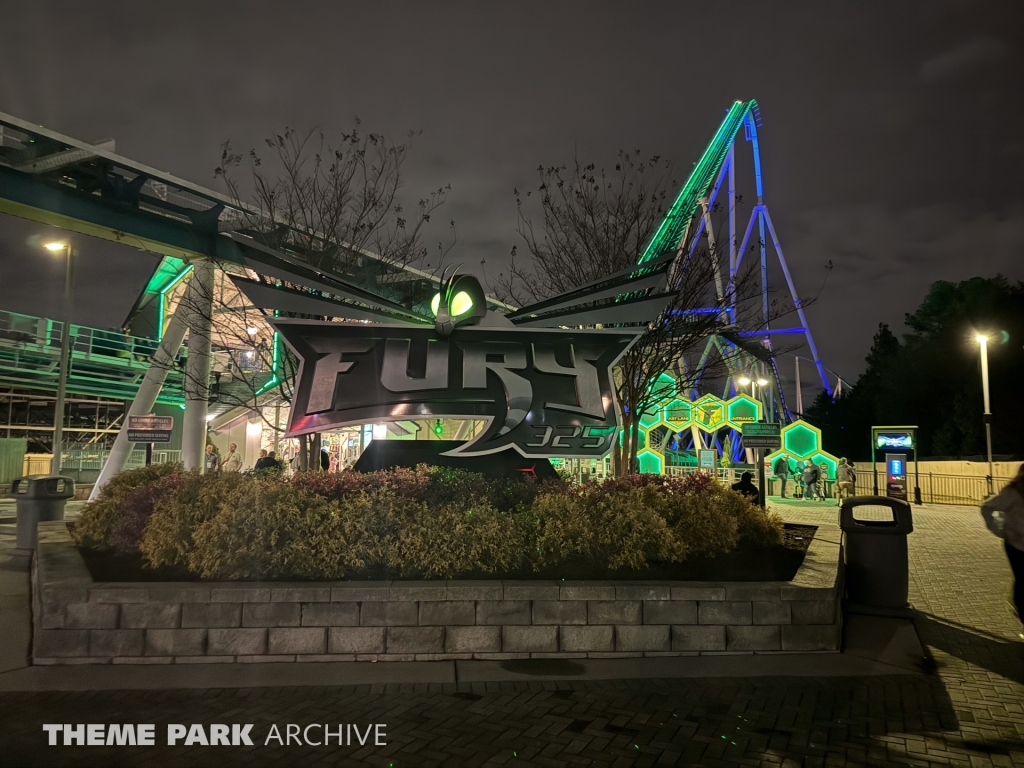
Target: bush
430, 522
168, 538
100, 519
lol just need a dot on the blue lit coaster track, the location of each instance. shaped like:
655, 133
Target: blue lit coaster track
689, 220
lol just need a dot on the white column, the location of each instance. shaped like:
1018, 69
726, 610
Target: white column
197, 369
161, 362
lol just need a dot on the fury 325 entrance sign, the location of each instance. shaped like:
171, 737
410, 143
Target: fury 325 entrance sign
545, 393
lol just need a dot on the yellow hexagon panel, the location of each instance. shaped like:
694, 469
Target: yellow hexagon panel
709, 413
677, 414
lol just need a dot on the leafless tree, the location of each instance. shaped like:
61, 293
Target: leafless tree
594, 223
335, 205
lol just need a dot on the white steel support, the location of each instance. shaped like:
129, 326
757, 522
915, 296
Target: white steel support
161, 362
796, 302
197, 368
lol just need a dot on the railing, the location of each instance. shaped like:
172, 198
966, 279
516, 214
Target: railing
937, 488
93, 459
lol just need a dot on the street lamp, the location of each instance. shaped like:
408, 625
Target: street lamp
65, 349
982, 340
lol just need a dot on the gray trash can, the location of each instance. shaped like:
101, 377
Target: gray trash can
877, 568
39, 498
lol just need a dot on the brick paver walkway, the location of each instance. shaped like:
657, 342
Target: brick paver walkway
968, 713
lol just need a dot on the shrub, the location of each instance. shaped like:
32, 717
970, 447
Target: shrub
167, 539
267, 529
449, 540
100, 519
425, 521
137, 510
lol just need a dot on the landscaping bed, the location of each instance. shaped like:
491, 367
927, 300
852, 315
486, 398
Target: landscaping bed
173, 567
427, 523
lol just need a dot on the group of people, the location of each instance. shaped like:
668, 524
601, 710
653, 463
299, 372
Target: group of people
232, 460
807, 477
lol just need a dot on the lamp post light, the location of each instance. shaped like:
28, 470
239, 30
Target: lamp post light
983, 348
65, 349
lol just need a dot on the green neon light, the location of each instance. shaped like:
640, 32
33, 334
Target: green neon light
699, 182
163, 299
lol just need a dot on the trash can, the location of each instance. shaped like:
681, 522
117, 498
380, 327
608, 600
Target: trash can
39, 498
877, 568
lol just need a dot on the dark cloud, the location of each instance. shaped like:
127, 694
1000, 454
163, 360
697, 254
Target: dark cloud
967, 57
889, 138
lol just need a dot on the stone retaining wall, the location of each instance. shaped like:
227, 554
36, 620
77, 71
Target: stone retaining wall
79, 621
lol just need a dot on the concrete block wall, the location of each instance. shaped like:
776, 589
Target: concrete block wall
78, 621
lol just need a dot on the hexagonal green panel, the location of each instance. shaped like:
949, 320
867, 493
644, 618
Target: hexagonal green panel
677, 414
741, 410
801, 439
827, 459
651, 463
709, 413
650, 416
663, 387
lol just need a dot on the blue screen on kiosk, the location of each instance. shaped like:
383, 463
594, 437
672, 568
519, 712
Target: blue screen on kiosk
896, 467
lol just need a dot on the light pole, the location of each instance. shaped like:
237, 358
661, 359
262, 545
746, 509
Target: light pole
983, 347
65, 349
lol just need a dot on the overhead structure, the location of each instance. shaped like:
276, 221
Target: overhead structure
689, 220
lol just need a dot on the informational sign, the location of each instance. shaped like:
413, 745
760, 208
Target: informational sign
896, 476
150, 429
762, 436
707, 458
542, 392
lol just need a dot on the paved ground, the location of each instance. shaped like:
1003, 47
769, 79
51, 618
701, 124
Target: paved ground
969, 711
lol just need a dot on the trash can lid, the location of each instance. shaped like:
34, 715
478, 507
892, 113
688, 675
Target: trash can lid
43, 487
902, 517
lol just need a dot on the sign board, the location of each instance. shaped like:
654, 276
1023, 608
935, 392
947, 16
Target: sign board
150, 429
896, 476
543, 392
762, 436
894, 440
707, 458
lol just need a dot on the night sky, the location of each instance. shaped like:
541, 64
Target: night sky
891, 141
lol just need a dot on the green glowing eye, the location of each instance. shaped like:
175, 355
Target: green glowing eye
435, 303
461, 304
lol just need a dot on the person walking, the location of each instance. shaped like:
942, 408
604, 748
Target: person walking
232, 462
846, 480
211, 460
810, 478
781, 470
1004, 516
746, 487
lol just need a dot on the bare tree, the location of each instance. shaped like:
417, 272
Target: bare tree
594, 223
336, 205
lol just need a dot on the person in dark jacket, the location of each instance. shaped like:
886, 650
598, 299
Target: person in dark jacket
746, 487
325, 459
811, 475
264, 462
781, 470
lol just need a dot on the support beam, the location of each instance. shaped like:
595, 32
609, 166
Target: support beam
797, 303
161, 362
197, 368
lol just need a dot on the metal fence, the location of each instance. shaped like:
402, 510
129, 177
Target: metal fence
937, 488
